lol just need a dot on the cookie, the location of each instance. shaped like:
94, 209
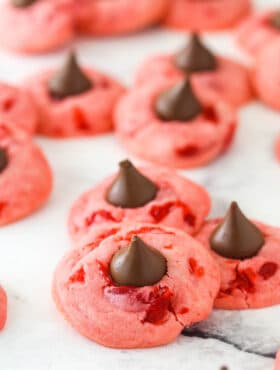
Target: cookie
115, 17
266, 76
166, 123
72, 102
25, 176
211, 74
150, 194
35, 26
17, 108
106, 292
248, 255
3, 308
204, 15
259, 30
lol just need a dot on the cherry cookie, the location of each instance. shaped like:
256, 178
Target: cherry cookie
25, 176
114, 17
149, 194
137, 288
3, 308
35, 26
74, 102
166, 123
258, 31
201, 15
248, 254
267, 75
17, 108
210, 74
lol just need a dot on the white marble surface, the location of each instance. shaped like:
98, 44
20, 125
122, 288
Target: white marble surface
36, 337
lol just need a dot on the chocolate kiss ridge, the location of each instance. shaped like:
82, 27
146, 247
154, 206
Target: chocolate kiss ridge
131, 189
275, 20
3, 160
69, 80
236, 237
178, 103
195, 57
22, 3
138, 265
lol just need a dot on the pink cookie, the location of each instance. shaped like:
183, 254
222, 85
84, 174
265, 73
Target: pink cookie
136, 317
201, 15
266, 76
229, 82
38, 28
249, 283
17, 108
89, 113
178, 203
25, 176
186, 144
114, 17
3, 308
256, 32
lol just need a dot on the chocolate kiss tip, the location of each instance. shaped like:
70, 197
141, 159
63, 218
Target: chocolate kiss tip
138, 265
3, 160
236, 237
131, 189
70, 80
22, 3
195, 57
178, 103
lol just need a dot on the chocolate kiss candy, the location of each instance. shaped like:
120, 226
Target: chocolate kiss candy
275, 20
138, 265
3, 160
195, 57
236, 237
131, 189
22, 3
70, 80
178, 103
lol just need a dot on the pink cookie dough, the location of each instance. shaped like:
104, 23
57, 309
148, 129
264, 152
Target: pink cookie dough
3, 308
179, 203
174, 144
26, 182
266, 76
256, 32
38, 28
249, 283
130, 317
87, 114
17, 108
114, 17
229, 82
201, 15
